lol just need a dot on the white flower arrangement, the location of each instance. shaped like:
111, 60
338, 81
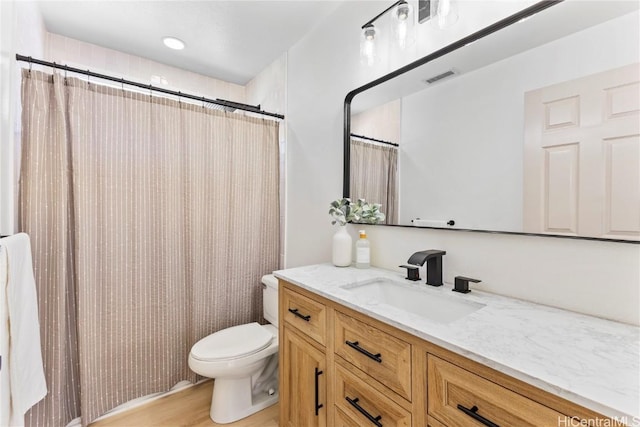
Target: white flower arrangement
343, 211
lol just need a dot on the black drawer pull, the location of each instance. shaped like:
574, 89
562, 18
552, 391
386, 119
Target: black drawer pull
473, 413
302, 316
318, 405
354, 345
354, 403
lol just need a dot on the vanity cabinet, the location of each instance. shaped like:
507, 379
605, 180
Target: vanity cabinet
305, 314
364, 404
460, 398
302, 382
303, 362
382, 356
373, 374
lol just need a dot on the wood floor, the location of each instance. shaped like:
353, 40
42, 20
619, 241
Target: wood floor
186, 408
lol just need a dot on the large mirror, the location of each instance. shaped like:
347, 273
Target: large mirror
533, 128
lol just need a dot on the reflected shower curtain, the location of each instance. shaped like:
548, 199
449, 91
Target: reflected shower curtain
152, 222
374, 171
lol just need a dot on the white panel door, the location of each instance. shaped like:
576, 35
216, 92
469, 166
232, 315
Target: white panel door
582, 156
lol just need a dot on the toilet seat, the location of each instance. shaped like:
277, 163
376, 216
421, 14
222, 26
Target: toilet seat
232, 343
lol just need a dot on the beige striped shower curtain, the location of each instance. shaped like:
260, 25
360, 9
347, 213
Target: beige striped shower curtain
151, 222
374, 176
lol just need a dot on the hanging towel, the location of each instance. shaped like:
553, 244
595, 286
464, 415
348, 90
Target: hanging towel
5, 399
22, 378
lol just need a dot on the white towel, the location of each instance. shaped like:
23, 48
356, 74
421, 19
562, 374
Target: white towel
440, 223
22, 369
5, 385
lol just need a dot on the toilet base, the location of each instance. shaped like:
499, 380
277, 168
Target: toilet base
232, 400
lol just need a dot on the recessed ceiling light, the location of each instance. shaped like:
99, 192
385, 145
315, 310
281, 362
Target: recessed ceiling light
173, 43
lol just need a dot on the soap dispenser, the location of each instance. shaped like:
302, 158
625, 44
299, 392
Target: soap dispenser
363, 251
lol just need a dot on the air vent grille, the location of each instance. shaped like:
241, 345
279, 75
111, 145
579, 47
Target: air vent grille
439, 77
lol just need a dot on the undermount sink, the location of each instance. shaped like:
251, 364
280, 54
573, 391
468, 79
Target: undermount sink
414, 299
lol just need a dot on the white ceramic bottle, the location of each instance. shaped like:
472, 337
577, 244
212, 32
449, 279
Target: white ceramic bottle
363, 251
342, 247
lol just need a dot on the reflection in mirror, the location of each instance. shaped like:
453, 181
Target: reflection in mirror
534, 128
374, 161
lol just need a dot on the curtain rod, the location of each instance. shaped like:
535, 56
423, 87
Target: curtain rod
245, 107
375, 140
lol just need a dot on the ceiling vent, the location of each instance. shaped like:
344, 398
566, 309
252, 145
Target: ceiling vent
432, 80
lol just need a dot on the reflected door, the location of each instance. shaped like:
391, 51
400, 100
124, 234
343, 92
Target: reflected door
582, 156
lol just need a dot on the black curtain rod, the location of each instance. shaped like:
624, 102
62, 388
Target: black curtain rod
375, 140
245, 107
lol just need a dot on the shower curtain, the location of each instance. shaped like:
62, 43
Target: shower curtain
151, 222
374, 171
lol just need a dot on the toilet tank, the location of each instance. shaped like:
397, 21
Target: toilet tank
270, 298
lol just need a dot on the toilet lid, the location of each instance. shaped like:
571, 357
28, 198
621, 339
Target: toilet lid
233, 342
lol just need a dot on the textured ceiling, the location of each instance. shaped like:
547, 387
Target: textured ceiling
231, 40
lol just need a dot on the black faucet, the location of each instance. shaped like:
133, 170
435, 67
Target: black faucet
433, 258
461, 284
413, 272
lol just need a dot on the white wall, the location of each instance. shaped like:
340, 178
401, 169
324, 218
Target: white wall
381, 122
475, 121
596, 278
269, 87
599, 278
7, 13
65, 50
21, 31
269, 90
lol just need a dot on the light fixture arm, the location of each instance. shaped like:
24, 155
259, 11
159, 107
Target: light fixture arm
382, 13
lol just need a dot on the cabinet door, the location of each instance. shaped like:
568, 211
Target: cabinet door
303, 392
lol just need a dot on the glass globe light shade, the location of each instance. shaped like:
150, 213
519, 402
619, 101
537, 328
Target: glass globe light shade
403, 24
368, 48
444, 13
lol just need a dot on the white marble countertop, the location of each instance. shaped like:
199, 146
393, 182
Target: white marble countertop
587, 360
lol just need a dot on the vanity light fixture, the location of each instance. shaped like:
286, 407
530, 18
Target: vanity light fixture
403, 24
403, 27
173, 43
444, 13
368, 54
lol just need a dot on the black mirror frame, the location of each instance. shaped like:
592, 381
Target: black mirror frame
525, 13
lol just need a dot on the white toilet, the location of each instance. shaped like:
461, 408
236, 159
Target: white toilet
244, 362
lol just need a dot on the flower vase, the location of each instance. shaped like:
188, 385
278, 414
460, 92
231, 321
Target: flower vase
342, 245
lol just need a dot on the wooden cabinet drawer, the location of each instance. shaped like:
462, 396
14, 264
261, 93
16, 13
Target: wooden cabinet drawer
343, 420
457, 396
432, 422
305, 314
385, 358
361, 402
